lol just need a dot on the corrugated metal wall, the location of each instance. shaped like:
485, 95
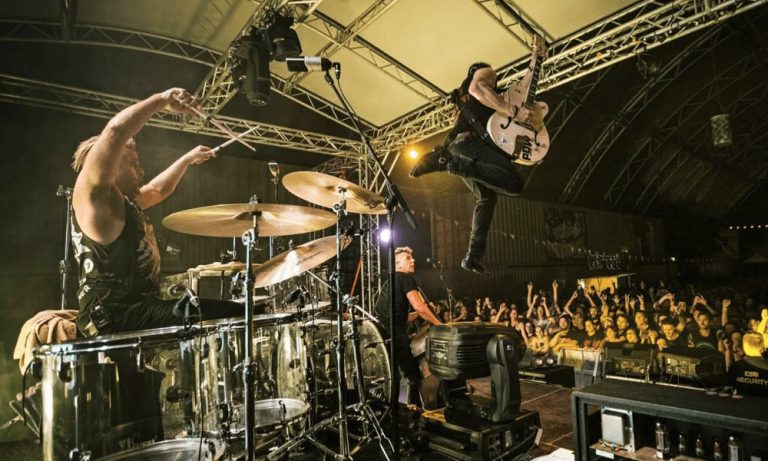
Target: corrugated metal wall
519, 249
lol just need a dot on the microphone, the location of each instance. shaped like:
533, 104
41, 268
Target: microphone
308, 63
274, 169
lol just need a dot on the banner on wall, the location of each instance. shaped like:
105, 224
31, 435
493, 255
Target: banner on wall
566, 231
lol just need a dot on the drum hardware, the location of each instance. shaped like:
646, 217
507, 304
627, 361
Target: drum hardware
361, 411
65, 265
366, 202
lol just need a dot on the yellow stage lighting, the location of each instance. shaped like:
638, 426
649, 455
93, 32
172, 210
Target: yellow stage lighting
413, 154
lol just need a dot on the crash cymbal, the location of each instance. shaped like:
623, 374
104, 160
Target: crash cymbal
325, 190
293, 262
232, 220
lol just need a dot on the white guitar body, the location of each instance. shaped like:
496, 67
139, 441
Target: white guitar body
526, 142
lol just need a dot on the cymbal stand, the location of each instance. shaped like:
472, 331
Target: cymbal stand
274, 170
249, 238
65, 267
367, 412
341, 417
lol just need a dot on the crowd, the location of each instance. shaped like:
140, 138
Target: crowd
724, 317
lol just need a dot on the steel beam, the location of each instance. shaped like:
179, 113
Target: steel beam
632, 31
95, 104
635, 165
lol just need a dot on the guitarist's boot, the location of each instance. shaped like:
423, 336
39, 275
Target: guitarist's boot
472, 264
433, 161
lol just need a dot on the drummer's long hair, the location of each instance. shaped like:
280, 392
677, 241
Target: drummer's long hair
78, 158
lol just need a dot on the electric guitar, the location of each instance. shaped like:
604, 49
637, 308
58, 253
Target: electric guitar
526, 141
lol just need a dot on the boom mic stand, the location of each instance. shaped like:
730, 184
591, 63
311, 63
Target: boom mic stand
451, 301
394, 200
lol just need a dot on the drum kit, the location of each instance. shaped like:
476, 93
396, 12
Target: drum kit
260, 384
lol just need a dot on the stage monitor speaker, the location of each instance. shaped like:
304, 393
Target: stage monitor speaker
692, 363
630, 360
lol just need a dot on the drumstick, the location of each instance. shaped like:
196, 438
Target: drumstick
215, 123
230, 141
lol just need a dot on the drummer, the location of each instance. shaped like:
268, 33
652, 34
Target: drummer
407, 295
115, 246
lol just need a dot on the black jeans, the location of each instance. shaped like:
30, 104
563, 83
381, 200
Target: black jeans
487, 172
150, 313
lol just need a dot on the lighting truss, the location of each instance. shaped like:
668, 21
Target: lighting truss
632, 31
82, 34
91, 103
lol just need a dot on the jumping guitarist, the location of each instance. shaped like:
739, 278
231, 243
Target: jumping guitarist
471, 153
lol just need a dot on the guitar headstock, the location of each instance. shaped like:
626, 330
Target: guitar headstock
539, 45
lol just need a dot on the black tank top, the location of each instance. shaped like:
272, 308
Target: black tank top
471, 106
123, 271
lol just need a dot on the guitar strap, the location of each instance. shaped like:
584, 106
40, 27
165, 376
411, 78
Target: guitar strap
477, 127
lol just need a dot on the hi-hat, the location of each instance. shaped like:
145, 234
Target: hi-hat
232, 220
326, 190
298, 260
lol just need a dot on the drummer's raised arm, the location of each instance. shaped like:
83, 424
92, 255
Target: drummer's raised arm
163, 185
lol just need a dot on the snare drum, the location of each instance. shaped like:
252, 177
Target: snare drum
373, 354
107, 394
280, 363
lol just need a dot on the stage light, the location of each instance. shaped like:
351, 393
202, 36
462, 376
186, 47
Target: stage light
413, 154
284, 40
385, 235
249, 61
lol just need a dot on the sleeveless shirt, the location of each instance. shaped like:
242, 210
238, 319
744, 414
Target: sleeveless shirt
121, 272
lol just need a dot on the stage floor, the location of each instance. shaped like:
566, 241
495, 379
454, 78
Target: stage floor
552, 402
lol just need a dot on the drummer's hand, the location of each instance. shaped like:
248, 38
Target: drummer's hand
199, 155
179, 100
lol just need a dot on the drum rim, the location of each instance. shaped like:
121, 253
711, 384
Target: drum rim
152, 335
163, 446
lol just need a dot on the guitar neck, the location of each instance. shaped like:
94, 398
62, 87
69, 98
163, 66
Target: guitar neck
536, 60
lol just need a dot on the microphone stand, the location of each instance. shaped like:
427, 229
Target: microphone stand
451, 300
394, 200
64, 265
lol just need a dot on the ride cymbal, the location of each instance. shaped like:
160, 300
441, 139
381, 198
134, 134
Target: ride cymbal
326, 190
232, 220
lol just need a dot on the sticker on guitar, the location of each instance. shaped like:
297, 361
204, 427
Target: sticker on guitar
523, 136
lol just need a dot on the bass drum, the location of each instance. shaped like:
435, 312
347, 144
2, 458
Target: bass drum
107, 394
320, 336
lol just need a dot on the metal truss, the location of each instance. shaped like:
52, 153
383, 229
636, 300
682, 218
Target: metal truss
218, 87
637, 160
84, 102
626, 116
18, 30
514, 20
630, 32
567, 108
746, 147
49, 32
348, 37
688, 151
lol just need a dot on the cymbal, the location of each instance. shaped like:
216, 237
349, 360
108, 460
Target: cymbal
294, 262
232, 220
232, 266
325, 190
